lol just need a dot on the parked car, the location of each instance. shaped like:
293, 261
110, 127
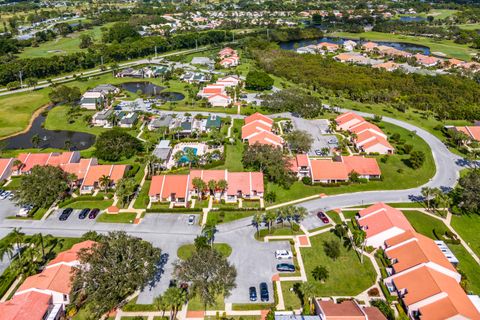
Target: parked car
283, 254
94, 213
191, 219
24, 210
5, 195
252, 292
285, 267
11, 195
322, 216
264, 292
318, 152
65, 214
84, 213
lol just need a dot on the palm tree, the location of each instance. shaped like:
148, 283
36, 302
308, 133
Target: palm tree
212, 185
299, 213
35, 140
104, 182
18, 237
256, 220
341, 230
160, 304
359, 239
175, 297
199, 185
6, 248
308, 292
192, 157
37, 239
209, 231
222, 185
282, 214
427, 192
178, 156
270, 217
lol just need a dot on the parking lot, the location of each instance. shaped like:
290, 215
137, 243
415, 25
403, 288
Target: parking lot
8, 208
319, 129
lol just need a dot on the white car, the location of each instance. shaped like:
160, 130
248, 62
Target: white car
191, 219
283, 254
5, 195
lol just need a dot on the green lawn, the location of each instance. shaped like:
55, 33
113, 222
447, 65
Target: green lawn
347, 276
195, 304
59, 118
425, 224
217, 217
234, 153
469, 26
447, 47
17, 110
395, 172
289, 296
133, 306
143, 199
14, 184
100, 204
349, 214
334, 216
186, 251
123, 217
468, 227
278, 230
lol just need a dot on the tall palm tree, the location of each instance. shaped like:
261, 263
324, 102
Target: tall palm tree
299, 213
200, 186
212, 185
104, 182
308, 291
178, 156
270, 217
256, 220
160, 304
282, 214
18, 237
209, 231
427, 193
359, 240
37, 239
222, 185
6, 248
175, 297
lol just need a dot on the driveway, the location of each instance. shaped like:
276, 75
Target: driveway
7, 208
319, 129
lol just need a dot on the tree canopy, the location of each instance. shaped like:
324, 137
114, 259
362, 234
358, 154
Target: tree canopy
299, 141
114, 268
293, 100
42, 186
116, 144
64, 94
258, 80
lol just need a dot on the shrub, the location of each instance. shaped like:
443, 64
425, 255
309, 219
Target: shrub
384, 307
374, 292
307, 180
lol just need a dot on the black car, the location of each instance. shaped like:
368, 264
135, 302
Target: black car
83, 214
264, 292
285, 267
65, 214
94, 213
252, 292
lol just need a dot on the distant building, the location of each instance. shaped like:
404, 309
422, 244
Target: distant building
102, 118
162, 121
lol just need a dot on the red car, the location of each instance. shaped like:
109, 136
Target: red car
322, 216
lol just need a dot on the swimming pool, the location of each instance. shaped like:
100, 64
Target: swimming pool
184, 159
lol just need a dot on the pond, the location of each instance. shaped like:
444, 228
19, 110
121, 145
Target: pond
59, 139
293, 45
412, 19
151, 90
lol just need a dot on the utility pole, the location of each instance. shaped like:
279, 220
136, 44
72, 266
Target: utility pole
155, 52
101, 59
268, 36
21, 81
196, 44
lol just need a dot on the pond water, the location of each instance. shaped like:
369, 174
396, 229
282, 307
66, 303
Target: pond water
293, 45
50, 138
152, 90
412, 19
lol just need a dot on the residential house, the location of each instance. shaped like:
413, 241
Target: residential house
29, 160
229, 81
473, 132
211, 90
258, 129
219, 100
349, 45
213, 122
163, 151
195, 77
102, 118
127, 119
328, 171
45, 295
300, 165
130, 72
351, 57
347, 120
177, 189
366, 168
155, 71
229, 62
226, 52
106, 89
327, 46
6, 167
163, 121
392, 52
381, 222
427, 61
387, 66
369, 46
91, 181
92, 100
202, 61
347, 309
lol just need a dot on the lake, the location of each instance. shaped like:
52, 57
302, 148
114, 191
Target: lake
50, 138
412, 19
152, 90
293, 45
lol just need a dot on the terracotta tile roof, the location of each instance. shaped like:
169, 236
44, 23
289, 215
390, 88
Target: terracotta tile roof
302, 160
256, 181
57, 159
4, 164
266, 137
369, 45
427, 60
472, 131
347, 117
245, 182
407, 235
367, 136
94, 173
347, 308
374, 313
364, 126
361, 165
376, 141
166, 185
207, 175
28, 306
389, 65
33, 159
71, 255
328, 170
381, 217
80, 168
424, 283
56, 278
253, 127
417, 251
258, 116
212, 91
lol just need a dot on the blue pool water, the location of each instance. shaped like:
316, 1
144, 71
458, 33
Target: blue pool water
184, 159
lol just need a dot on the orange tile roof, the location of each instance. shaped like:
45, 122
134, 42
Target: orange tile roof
94, 173
166, 185
427, 60
4, 164
389, 65
381, 217
363, 126
328, 170
212, 91
302, 160
28, 306
375, 141
374, 313
55, 278
33, 159
347, 308
57, 159
361, 165
348, 116
407, 235
79, 169
472, 131
417, 251
424, 283
369, 45
245, 182
266, 137
71, 255
207, 175
258, 116
253, 127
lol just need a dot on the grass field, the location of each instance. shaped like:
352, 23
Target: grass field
143, 198
347, 275
123, 217
100, 204
425, 224
396, 174
469, 26
219, 216
447, 47
186, 251
468, 227
58, 119
17, 110
195, 304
